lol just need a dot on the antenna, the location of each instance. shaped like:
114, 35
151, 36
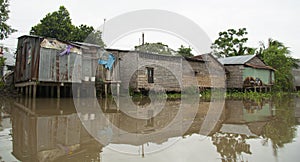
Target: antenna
103, 28
143, 38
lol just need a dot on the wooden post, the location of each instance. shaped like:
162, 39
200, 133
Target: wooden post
47, 91
30, 91
52, 91
26, 91
65, 91
33, 104
118, 89
266, 89
34, 91
29, 103
58, 91
105, 89
70, 91
22, 91
40, 90
95, 93
105, 104
78, 92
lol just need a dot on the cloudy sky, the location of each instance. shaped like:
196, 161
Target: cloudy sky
263, 19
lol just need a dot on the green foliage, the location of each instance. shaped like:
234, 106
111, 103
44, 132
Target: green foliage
84, 33
281, 129
95, 37
232, 43
278, 56
4, 27
2, 61
79, 33
59, 25
157, 48
185, 51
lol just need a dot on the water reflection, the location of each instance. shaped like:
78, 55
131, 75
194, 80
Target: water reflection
53, 130
50, 133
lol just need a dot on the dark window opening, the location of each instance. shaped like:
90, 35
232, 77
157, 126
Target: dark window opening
150, 73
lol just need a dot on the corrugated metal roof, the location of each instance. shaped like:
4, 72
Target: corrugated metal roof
236, 60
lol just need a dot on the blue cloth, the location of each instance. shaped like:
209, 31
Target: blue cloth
107, 63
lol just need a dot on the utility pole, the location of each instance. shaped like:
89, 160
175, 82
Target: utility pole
143, 38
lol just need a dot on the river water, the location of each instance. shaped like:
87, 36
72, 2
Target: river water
109, 130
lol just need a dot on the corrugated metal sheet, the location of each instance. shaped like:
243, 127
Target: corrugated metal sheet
37, 60
236, 60
56, 68
27, 59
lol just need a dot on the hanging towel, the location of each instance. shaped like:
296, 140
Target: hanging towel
107, 63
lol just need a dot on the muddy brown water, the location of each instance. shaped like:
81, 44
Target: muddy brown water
111, 130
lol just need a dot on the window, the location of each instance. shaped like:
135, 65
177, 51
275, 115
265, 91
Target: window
150, 74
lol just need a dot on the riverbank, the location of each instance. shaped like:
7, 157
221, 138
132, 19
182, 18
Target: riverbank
207, 95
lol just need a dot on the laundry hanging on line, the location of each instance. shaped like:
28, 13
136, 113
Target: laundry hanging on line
107, 62
66, 51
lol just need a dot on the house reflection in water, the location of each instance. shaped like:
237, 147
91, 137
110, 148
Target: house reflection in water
58, 132
52, 133
243, 120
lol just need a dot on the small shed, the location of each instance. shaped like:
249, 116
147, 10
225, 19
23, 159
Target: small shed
247, 71
45, 63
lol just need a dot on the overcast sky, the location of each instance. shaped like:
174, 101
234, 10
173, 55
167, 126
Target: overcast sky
263, 19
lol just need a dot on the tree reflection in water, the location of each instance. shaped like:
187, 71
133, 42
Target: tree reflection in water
231, 146
281, 129
278, 129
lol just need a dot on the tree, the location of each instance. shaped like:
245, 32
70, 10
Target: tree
4, 27
276, 55
232, 43
95, 38
158, 48
59, 25
185, 51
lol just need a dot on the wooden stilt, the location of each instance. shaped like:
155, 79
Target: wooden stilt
30, 91
40, 88
33, 104
46, 88
34, 91
58, 91
65, 91
26, 91
21, 91
52, 91
118, 89
29, 103
70, 91
105, 89
78, 92
95, 93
